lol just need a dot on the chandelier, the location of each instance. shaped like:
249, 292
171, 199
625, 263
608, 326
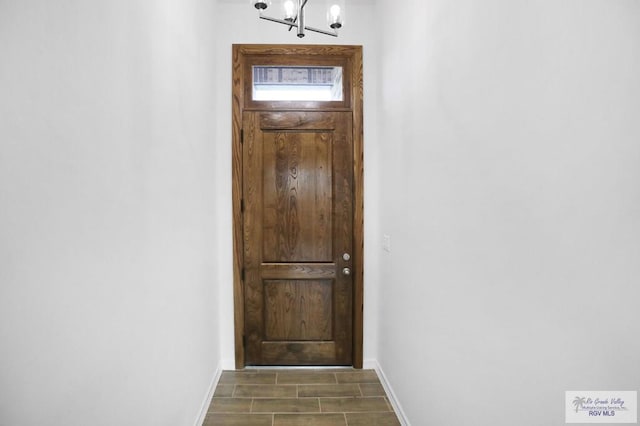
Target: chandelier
293, 16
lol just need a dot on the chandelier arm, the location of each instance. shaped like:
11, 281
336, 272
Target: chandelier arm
279, 21
317, 30
291, 24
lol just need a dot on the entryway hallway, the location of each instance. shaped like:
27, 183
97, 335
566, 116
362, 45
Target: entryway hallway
298, 397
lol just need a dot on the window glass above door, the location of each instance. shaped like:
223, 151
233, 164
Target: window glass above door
297, 83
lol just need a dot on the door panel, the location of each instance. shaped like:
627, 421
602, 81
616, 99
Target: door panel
297, 224
298, 310
297, 167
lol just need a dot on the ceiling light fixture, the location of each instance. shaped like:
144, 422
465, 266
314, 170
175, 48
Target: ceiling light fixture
293, 12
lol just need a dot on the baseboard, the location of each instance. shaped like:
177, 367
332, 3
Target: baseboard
402, 417
209, 395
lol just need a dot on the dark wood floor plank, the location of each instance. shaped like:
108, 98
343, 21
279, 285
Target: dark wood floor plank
247, 378
309, 420
350, 389
230, 405
371, 389
306, 378
223, 390
353, 405
265, 391
361, 376
286, 405
239, 420
372, 419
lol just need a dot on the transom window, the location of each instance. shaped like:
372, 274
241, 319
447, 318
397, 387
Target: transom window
297, 83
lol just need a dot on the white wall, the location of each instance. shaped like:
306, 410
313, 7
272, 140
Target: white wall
107, 212
237, 22
511, 143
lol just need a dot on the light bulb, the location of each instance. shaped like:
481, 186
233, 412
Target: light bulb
335, 20
289, 10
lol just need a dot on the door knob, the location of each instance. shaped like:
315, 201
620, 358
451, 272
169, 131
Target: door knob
346, 271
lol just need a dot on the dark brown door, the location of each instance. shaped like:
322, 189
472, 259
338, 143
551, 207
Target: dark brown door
298, 237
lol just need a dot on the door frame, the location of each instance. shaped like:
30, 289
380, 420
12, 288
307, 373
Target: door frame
350, 57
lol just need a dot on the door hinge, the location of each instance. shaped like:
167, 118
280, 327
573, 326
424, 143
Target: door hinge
241, 135
242, 275
244, 341
242, 205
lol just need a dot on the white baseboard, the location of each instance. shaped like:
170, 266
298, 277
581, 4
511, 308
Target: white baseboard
374, 365
209, 396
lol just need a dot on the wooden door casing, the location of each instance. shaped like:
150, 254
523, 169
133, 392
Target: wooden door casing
350, 58
298, 223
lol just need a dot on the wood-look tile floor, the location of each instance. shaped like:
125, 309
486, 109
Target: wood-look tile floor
300, 397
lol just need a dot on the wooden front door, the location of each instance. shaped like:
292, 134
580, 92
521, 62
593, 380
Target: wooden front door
297, 208
298, 237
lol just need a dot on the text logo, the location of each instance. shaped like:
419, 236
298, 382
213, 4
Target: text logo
601, 407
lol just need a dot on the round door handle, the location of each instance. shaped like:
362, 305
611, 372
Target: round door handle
346, 271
